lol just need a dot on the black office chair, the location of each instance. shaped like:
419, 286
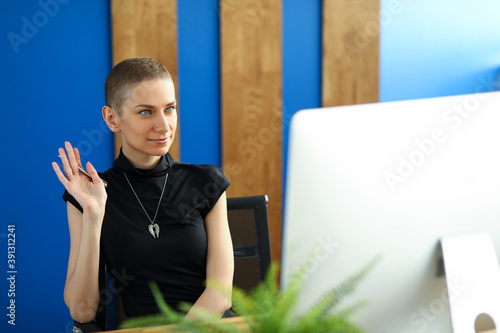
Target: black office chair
250, 234
248, 224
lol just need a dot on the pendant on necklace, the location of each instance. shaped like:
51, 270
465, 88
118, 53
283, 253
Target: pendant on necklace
154, 229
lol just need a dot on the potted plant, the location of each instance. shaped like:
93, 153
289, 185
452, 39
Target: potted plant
268, 309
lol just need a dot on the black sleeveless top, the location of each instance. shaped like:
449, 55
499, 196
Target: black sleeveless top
176, 260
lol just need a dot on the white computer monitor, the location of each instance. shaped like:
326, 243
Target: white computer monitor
392, 179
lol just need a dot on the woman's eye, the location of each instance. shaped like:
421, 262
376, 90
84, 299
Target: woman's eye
170, 109
145, 112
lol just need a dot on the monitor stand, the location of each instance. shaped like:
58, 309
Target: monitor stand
473, 281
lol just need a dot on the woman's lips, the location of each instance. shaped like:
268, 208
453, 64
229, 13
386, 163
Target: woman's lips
160, 141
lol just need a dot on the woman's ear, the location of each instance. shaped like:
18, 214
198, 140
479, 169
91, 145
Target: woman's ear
111, 118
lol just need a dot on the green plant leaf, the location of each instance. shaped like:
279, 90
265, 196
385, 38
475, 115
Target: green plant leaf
146, 321
267, 309
166, 316
162, 305
243, 305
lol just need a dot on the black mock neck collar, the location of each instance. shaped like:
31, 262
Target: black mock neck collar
122, 164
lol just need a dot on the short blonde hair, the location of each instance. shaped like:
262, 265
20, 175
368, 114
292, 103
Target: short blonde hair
127, 74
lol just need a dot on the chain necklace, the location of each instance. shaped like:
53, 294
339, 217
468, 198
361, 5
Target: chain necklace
154, 228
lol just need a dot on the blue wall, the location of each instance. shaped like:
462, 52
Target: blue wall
199, 78
438, 48
54, 67
301, 61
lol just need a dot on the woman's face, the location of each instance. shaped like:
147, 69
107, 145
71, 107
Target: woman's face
148, 122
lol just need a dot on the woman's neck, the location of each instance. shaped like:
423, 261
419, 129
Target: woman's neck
142, 161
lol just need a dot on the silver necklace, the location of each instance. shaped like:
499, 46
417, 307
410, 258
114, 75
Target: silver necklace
154, 228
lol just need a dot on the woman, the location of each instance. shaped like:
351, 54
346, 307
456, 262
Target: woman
157, 220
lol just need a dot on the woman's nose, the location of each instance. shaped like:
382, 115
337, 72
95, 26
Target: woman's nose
162, 124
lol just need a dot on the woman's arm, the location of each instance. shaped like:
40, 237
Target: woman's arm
81, 292
220, 262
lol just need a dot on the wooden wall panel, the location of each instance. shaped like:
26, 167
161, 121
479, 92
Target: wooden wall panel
350, 61
146, 28
252, 104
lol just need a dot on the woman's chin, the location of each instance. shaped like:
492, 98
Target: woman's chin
160, 151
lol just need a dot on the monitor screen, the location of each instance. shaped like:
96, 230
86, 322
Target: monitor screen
390, 180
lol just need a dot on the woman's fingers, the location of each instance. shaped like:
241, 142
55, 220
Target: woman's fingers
91, 170
59, 174
72, 158
95, 176
78, 184
77, 157
71, 162
65, 162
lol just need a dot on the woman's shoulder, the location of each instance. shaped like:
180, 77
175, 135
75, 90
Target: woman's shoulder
200, 171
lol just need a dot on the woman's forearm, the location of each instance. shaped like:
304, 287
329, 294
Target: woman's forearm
212, 301
81, 292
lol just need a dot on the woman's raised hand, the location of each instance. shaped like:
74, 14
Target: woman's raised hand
90, 194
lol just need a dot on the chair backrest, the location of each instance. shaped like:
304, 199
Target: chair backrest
250, 234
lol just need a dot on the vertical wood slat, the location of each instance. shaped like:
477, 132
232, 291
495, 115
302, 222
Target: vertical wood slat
146, 28
252, 104
350, 61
